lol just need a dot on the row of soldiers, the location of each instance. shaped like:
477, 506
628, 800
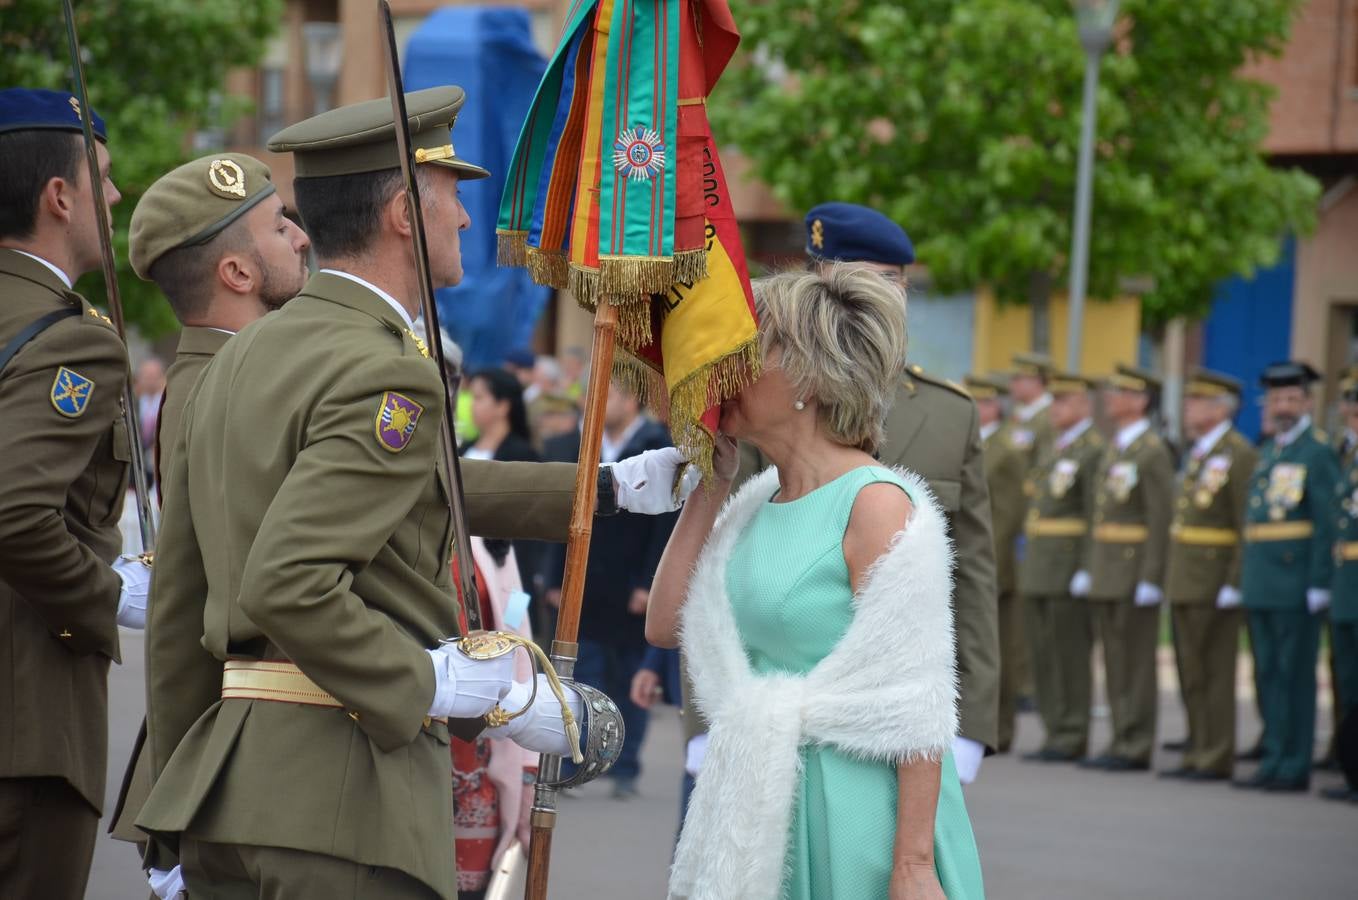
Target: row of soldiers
1094, 534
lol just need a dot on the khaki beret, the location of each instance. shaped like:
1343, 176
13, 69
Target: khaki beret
193, 204
361, 137
1206, 383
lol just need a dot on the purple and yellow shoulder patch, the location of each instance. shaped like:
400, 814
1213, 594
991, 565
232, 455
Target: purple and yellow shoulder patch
396, 421
71, 393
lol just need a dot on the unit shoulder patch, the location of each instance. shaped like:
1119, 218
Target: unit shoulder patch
71, 393
396, 420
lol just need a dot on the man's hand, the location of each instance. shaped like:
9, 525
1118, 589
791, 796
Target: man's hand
466, 688
166, 884
636, 604
1147, 594
645, 688
541, 728
136, 576
646, 481
966, 756
1228, 597
1317, 600
1080, 583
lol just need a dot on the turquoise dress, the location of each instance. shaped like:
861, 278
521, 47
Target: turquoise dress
792, 599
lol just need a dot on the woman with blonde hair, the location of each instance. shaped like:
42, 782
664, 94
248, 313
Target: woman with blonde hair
813, 609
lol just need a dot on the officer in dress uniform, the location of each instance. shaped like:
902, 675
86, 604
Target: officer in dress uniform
1057, 553
300, 700
1203, 583
64, 455
1006, 466
1344, 611
1031, 425
1287, 574
1127, 573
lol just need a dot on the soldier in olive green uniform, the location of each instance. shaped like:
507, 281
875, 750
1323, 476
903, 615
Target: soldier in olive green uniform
1203, 582
1057, 549
1030, 427
1006, 466
1127, 571
1344, 593
299, 699
1287, 573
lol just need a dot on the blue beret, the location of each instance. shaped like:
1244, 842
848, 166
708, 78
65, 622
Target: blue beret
851, 233
35, 109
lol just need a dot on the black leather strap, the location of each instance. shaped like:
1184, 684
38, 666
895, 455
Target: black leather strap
32, 330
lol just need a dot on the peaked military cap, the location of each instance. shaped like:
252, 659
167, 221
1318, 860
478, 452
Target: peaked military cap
1348, 389
1130, 378
193, 204
1206, 383
1288, 374
985, 387
1038, 364
38, 109
1069, 383
851, 233
361, 137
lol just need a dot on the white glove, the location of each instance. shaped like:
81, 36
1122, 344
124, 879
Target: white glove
1080, 584
646, 481
167, 885
695, 753
966, 756
467, 688
1228, 597
136, 576
1147, 594
541, 729
1317, 600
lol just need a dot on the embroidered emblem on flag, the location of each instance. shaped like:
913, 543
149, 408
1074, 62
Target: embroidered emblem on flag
639, 154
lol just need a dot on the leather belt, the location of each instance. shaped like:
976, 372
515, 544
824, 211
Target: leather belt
1056, 527
1279, 531
1201, 536
1115, 533
280, 681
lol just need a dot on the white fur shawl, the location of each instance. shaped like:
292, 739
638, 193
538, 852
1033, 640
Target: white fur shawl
888, 691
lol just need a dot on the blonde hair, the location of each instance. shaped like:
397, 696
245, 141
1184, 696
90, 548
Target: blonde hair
841, 331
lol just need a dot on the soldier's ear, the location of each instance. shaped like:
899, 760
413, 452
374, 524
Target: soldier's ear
237, 273
396, 215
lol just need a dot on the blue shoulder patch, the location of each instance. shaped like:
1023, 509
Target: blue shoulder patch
71, 393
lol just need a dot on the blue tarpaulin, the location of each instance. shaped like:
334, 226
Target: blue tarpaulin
489, 52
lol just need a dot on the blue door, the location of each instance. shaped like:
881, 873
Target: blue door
1249, 327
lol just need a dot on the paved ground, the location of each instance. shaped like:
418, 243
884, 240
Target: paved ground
1044, 832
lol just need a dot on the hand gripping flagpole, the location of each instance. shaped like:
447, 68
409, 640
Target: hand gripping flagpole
115, 302
462, 548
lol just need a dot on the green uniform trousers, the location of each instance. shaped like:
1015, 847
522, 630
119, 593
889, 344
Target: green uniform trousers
47, 834
1206, 644
1014, 667
1344, 647
1061, 638
1286, 644
215, 871
1129, 635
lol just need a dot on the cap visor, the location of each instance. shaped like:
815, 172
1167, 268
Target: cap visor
467, 171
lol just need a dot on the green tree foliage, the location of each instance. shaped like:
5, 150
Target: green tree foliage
156, 70
961, 120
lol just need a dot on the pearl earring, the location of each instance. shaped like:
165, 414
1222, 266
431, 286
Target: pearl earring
799, 405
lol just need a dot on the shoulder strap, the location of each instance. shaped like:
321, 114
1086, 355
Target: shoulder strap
33, 330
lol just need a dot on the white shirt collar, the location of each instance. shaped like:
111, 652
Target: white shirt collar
1072, 434
1027, 411
405, 316
1129, 433
1291, 435
611, 451
1209, 440
989, 429
65, 279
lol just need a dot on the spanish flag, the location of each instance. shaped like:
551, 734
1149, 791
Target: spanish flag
617, 192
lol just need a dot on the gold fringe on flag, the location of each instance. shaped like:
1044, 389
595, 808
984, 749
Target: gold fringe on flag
690, 266
719, 380
643, 380
634, 275
549, 267
584, 284
511, 247
634, 321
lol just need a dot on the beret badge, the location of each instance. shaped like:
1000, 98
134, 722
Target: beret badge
226, 179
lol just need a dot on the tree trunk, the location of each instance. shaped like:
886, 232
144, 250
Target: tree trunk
1039, 301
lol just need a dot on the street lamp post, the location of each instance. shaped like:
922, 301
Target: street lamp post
1096, 18
324, 52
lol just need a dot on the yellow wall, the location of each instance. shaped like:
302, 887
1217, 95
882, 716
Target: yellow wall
1111, 330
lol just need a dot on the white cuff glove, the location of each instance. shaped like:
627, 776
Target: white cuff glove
1317, 600
694, 754
166, 885
966, 756
136, 576
646, 481
541, 729
1147, 594
1080, 583
1228, 597
467, 688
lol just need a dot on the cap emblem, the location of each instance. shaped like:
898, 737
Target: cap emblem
639, 154
818, 234
226, 179
75, 106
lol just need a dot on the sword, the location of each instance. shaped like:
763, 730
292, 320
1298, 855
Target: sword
115, 302
471, 603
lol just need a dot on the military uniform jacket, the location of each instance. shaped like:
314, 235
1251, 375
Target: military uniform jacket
1034, 436
1135, 491
1005, 470
1057, 542
1344, 598
1289, 524
1209, 512
64, 452
305, 519
196, 348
